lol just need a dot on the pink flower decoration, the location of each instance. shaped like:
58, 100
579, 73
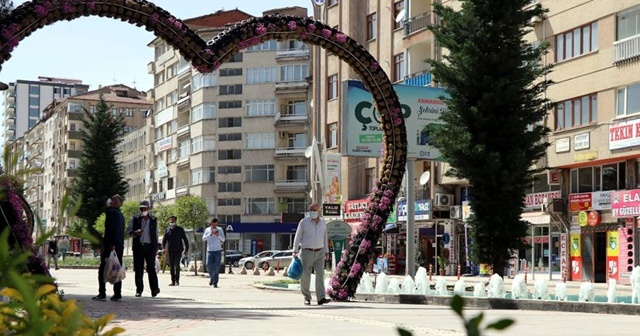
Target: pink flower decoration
389, 193
91, 5
342, 293
334, 282
7, 34
216, 65
385, 200
377, 220
374, 66
254, 41
292, 25
384, 207
365, 217
311, 28
41, 11
397, 121
340, 37
271, 27
326, 33
154, 17
67, 8
261, 29
365, 245
303, 36
208, 51
355, 269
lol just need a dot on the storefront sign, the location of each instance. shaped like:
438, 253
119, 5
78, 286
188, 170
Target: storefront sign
422, 210
331, 209
624, 134
576, 259
583, 218
601, 200
593, 218
580, 202
354, 209
625, 203
163, 144
536, 200
338, 230
563, 254
585, 156
613, 249
581, 141
553, 177
563, 145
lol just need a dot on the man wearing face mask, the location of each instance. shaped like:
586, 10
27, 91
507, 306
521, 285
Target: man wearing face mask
175, 241
144, 230
312, 245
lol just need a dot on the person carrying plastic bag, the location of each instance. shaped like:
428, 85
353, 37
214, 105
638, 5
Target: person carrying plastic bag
295, 270
112, 249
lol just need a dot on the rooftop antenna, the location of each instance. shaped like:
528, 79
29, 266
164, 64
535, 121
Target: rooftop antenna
134, 82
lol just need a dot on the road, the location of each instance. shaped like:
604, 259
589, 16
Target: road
238, 308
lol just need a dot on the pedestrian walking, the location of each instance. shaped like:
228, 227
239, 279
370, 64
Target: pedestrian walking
175, 243
144, 230
312, 244
52, 252
113, 240
214, 236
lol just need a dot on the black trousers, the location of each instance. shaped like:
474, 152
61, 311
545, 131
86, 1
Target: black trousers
102, 286
145, 254
174, 265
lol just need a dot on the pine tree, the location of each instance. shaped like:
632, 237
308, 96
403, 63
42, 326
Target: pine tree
99, 173
494, 131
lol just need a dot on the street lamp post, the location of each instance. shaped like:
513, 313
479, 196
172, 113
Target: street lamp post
318, 14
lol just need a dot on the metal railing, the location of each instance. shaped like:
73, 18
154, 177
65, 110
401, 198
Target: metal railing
290, 151
418, 22
626, 49
421, 78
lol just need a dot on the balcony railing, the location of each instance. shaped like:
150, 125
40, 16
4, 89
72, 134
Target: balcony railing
183, 130
289, 117
293, 53
290, 151
292, 185
301, 85
422, 78
416, 23
627, 49
182, 190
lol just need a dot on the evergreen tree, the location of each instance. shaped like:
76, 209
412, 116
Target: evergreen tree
494, 131
99, 173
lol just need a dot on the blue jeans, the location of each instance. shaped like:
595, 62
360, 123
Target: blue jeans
213, 266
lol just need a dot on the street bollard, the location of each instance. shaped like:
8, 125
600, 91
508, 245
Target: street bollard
459, 269
430, 271
230, 270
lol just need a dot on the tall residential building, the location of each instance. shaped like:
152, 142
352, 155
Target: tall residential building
235, 137
60, 145
26, 99
135, 155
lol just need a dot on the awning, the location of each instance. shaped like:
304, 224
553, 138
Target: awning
536, 218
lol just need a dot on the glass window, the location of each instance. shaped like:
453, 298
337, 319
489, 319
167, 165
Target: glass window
633, 99
229, 187
568, 113
259, 206
259, 173
610, 177
233, 89
559, 48
200, 80
560, 116
577, 111
568, 39
585, 179
203, 111
586, 38
333, 135
294, 72
261, 107
584, 107
594, 36
332, 83
261, 75
621, 102
622, 173
260, 140
372, 26
597, 178
574, 181
576, 42
594, 107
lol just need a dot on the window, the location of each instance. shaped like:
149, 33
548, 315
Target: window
599, 178
397, 8
34, 112
297, 173
261, 107
627, 24
294, 72
230, 137
203, 175
230, 154
72, 127
229, 104
265, 46
576, 42
259, 173
576, 112
331, 3
34, 101
172, 70
203, 80
370, 179
34, 90
261, 75
372, 26
172, 97
236, 58
332, 83
230, 122
128, 112
203, 143
229, 187
160, 49
229, 219
184, 149
259, 206
228, 201
296, 107
333, 135
628, 101
203, 111
230, 72
260, 140
295, 205
398, 67
229, 170
230, 89
159, 78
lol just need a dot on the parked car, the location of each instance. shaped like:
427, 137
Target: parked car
232, 257
279, 260
249, 262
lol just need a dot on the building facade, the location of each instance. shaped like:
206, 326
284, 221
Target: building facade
135, 157
235, 137
26, 99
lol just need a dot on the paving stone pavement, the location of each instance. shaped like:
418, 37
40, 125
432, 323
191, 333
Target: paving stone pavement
238, 308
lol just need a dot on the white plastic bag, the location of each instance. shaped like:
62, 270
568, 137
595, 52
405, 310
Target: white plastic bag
113, 271
157, 264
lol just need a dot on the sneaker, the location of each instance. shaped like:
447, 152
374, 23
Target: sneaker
116, 298
323, 301
138, 294
307, 302
215, 286
99, 297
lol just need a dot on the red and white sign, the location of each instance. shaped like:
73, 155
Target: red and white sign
553, 177
624, 134
354, 209
537, 199
580, 202
563, 254
593, 218
625, 203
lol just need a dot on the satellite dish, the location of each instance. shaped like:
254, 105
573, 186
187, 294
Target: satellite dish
401, 15
319, 2
424, 178
308, 152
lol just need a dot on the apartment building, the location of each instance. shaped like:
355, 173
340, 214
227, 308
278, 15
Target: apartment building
135, 155
26, 99
235, 137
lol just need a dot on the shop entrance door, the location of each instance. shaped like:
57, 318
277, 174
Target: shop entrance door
600, 257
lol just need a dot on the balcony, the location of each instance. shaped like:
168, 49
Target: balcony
290, 152
11, 108
74, 135
422, 78
183, 161
11, 98
183, 131
76, 116
291, 186
184, 70
10, 121
185, 98
181, 191
416, 23
73, 153
626, 50
292, 87
292, 54
151, 68
285, 117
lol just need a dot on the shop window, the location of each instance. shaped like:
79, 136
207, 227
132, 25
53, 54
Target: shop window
599, 178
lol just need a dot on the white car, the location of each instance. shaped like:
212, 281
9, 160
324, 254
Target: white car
250, 262
279, 260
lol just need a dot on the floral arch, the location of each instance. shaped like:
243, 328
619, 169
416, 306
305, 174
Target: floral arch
206, 56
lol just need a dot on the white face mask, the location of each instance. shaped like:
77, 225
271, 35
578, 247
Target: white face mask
145, 213
313, 214
172, 224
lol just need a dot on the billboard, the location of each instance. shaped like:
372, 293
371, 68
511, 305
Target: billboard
331, 192
361, 131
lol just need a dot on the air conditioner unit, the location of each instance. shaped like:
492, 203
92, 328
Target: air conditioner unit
455, 212
443, 200
554, 206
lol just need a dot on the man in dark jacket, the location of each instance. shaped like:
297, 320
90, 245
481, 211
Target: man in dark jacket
113, 240
174, 242
144, 230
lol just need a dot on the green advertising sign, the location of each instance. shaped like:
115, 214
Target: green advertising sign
338, 246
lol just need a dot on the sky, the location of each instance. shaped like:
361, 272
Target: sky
104, 51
